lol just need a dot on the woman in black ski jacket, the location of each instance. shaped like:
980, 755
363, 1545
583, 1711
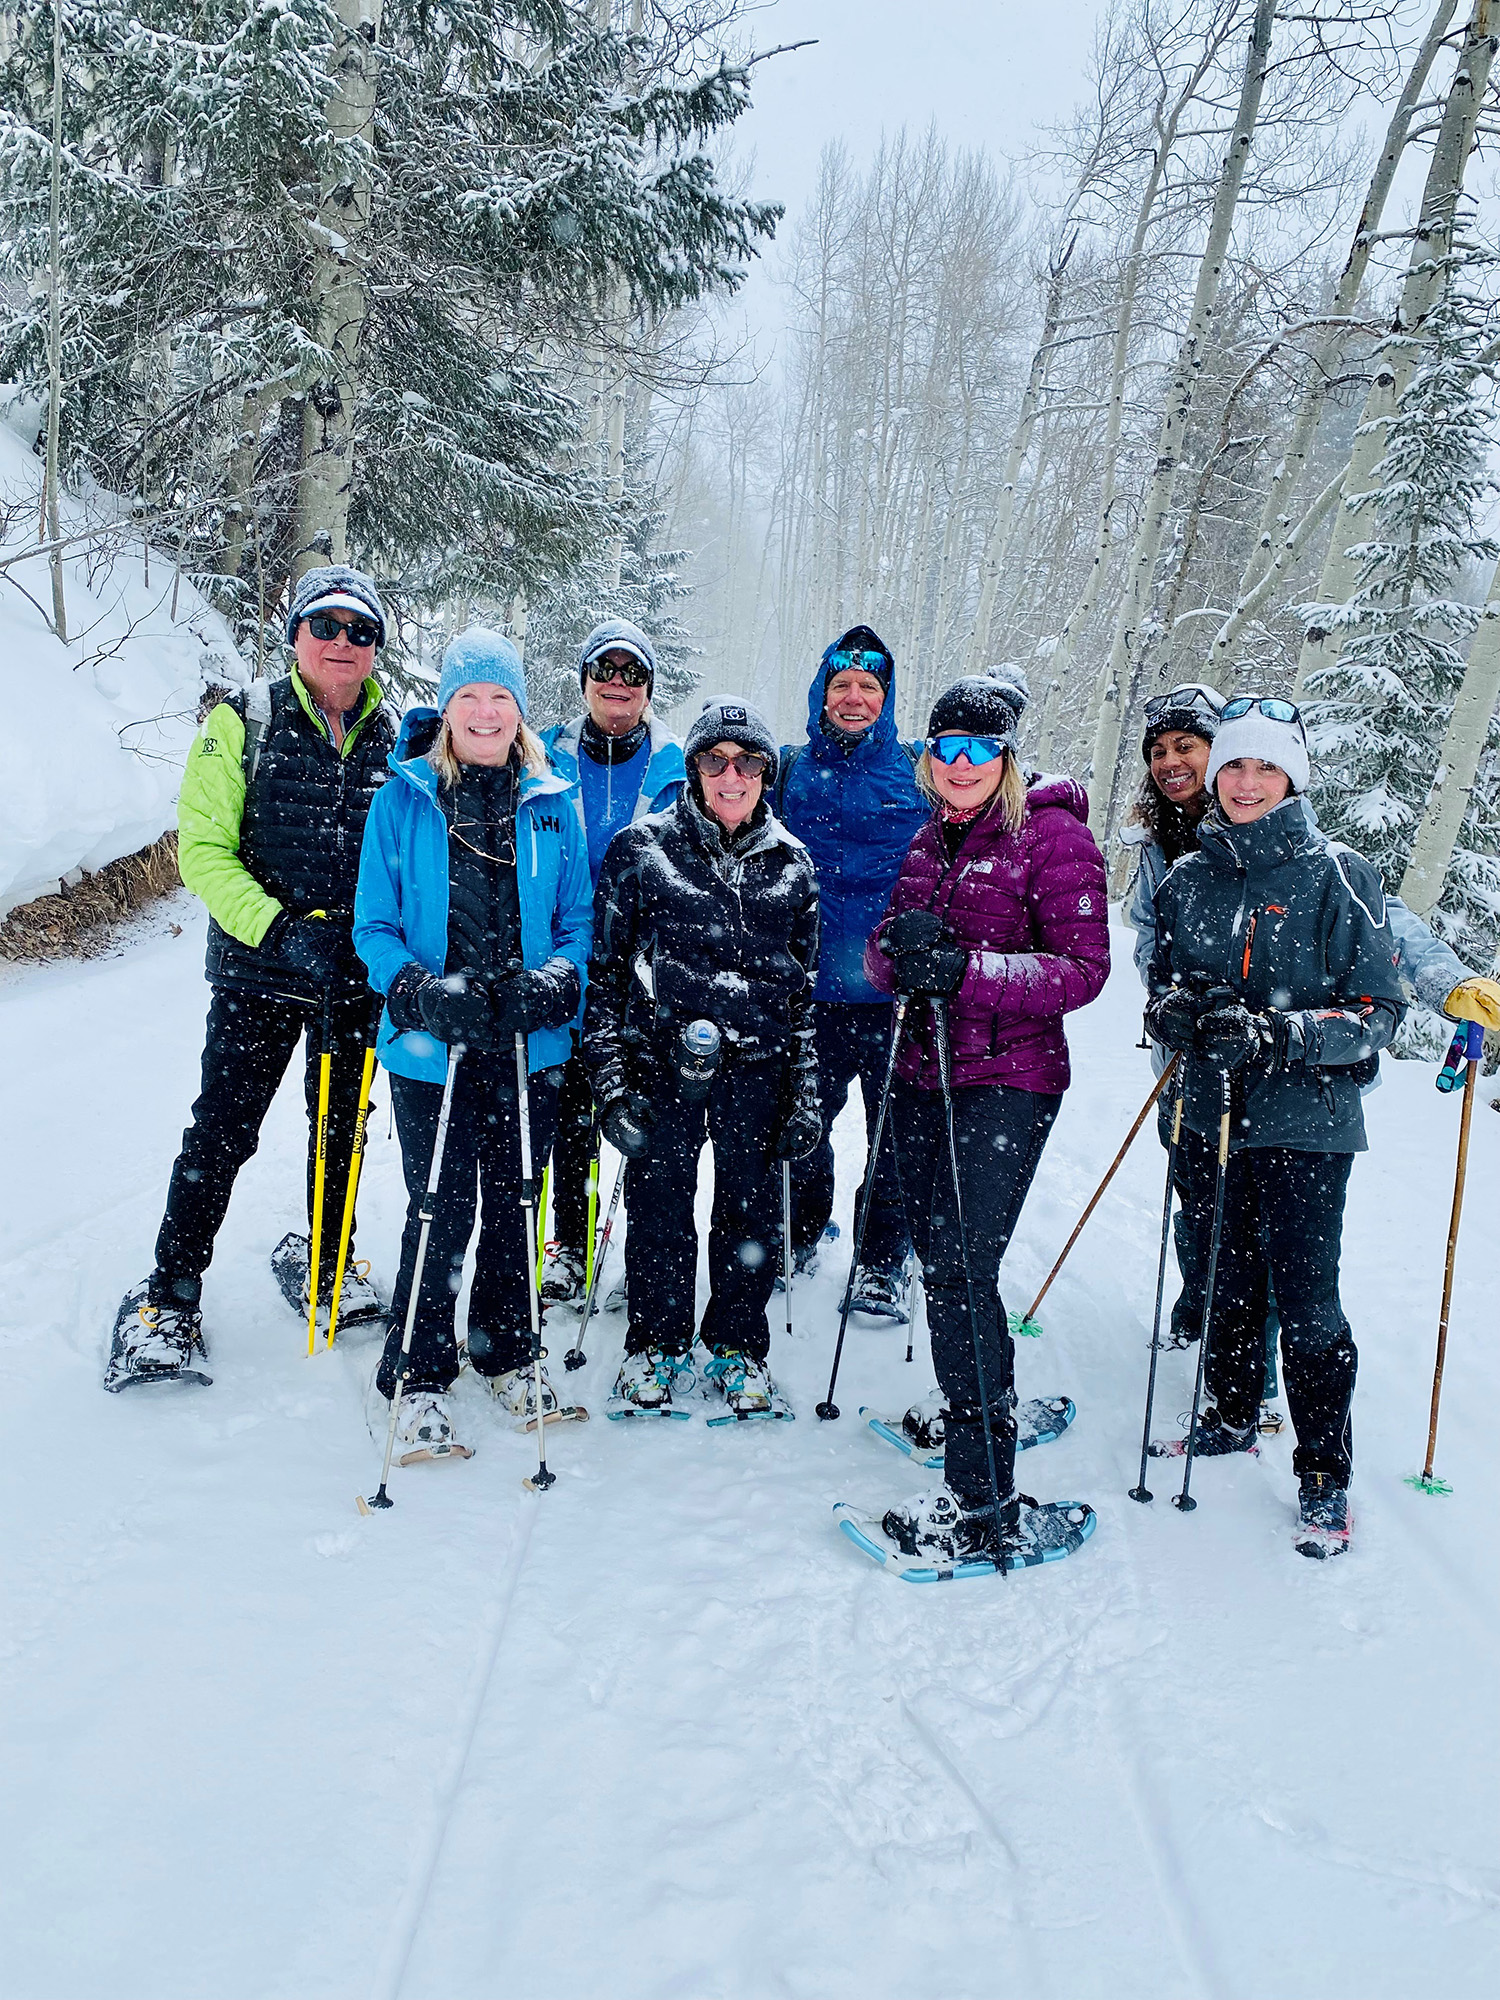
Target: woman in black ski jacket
705, 913
1274, 965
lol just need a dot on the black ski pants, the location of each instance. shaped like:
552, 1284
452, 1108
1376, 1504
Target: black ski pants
482, 1156
1000, 1133
852, 1040
739, 1118
1283, 1222
572, 1150
251, 1038
1187, 1310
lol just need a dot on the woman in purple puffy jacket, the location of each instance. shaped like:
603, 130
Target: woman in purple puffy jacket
1000, 911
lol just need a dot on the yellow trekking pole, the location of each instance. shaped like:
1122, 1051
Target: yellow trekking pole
356, 1165
541, 1234
320, 1171
588, 1245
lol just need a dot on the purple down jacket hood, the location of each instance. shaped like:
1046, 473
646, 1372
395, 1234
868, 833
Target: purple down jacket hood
1031, 908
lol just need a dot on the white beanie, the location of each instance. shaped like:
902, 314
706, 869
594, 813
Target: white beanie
1255, 735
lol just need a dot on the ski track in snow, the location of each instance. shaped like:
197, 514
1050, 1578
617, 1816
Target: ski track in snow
661, 1733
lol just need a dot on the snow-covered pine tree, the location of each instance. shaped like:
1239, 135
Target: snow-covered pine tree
328, 266
1379, 711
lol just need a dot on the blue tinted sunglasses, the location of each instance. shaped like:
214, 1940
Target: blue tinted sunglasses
978, 749
862, 660
1269, 705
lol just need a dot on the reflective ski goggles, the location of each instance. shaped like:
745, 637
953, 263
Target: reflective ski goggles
859, 660
324, 626
634, 673
748, 763
1191, 698
1269, 705
978, 749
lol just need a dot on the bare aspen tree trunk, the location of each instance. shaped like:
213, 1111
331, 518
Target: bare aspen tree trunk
1426, 277
243, 456
998, 544
1458, 763
1125, 650
1276, 526
54, 335
340, 300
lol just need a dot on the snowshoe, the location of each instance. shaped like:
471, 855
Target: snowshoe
932, 1540
425, 1430
1215, 1439
153, 1343
1270, 1423
516, 1390
1040, 1420
646, 1384
291, 1264
746, 1387
883, 1294
1323, 1517
562, 1275
806, 1257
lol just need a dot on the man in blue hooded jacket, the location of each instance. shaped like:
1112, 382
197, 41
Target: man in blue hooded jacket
849, 794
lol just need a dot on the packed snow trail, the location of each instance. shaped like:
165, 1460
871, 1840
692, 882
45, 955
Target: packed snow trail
662, 1732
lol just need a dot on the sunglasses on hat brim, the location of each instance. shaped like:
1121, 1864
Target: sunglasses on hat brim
1270, 706
978, 749
859, 659
634, 673
324, 626
748, 763
1190, 699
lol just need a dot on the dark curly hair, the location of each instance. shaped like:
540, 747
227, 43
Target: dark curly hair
1173, 829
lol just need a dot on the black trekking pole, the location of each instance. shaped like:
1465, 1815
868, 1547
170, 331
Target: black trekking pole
380, 1498
828, 1409
575, 1356
945, 1078
541, 1479
1183, 1500
1142, 1492
786, 1238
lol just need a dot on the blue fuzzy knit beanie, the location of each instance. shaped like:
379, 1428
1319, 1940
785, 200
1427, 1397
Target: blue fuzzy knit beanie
481, 655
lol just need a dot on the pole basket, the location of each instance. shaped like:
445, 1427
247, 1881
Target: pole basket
1022, 1328
1423, 1484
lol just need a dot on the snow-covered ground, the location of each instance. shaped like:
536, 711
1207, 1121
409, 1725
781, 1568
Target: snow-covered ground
663, 1732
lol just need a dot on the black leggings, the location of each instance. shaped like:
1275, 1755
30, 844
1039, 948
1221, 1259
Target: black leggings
1001, 1133
1285, 1209
483, 1152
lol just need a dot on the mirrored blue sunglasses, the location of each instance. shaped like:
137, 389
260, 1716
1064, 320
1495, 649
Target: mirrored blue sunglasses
978, 749
1269, 705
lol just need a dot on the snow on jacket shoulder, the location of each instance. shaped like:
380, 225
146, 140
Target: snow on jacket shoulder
1031, 909
857, 809
401, 904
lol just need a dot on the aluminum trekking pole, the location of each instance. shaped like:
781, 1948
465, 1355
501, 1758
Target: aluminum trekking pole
1114, 1166
945, 1078
1142, 1491
575, 1356
320, 1173
381, 1498
541, 1479
1184, 1500
1473, 1050
786, 1238
356, 1167
828, 1409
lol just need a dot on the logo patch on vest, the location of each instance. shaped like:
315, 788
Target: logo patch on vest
732, 714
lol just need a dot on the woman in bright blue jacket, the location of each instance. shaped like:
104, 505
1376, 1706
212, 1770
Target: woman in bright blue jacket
474, 916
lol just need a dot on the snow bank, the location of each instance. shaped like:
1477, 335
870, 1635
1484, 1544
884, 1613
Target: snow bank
97, 729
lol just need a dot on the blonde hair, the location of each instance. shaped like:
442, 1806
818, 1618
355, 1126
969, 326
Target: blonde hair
449, 767
1007, 801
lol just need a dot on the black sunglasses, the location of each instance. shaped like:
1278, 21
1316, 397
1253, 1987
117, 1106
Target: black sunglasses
635, 673
324, 626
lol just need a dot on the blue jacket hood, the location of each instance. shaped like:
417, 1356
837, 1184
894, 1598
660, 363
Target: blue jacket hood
883, 731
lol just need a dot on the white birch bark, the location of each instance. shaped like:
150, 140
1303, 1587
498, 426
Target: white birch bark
340, 301
1275, 525
1458, 763
54, 336
1425, 278
1125, 650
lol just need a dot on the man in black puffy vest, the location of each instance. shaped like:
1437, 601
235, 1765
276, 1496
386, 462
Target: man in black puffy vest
270, 821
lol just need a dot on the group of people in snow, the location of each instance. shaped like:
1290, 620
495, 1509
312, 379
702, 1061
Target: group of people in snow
593, 896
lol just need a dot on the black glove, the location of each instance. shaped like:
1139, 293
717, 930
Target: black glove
457, 1009
924, 957
403, 1002
1172, 1017
800, 1130
626, 1122
543, 998
311, 946
1231, 1036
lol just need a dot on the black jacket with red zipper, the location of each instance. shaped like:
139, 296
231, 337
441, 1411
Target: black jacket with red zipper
1289, 924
